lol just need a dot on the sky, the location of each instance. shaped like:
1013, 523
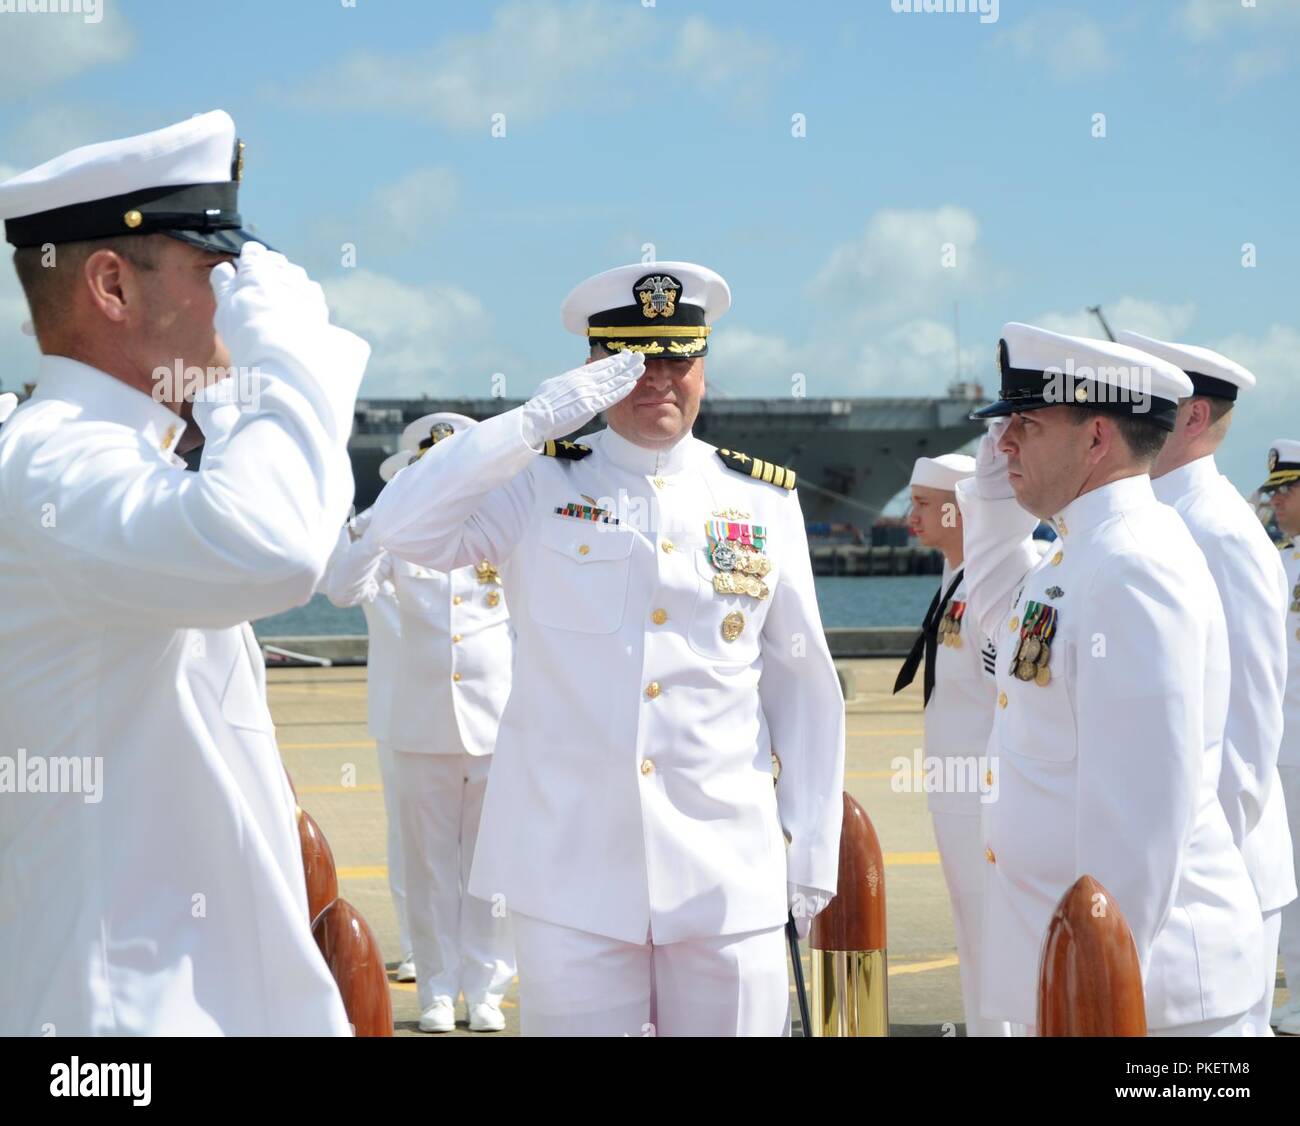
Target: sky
882, 188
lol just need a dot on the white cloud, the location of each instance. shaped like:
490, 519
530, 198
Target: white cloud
1150, 318
40, 49
1069, 45
1203, 20
1268, 411
1257, 63
421, 336
535, 59
897, 266
7, 171
44, 132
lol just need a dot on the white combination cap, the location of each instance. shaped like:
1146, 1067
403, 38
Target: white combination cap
659, 309
1211, 374
1045, 369
181, 181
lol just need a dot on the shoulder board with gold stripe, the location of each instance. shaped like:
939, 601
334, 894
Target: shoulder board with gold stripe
566, 450
757, 468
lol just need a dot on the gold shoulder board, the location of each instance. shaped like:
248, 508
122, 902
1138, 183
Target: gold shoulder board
757, 468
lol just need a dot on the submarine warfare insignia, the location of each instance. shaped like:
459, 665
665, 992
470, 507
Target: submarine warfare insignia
758, 468
486, 573
736, 552
950, 624
1037, 628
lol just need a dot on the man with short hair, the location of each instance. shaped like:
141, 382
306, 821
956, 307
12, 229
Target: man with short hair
668, 646
174, 900
1252, 586
1282, 489
1112, 688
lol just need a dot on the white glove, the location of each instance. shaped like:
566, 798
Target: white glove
805, 904
271, 314
566, 402
991, 480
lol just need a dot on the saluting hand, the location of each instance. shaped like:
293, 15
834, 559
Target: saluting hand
991, 479
567, 402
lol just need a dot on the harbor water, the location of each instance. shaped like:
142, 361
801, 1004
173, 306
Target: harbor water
845, 603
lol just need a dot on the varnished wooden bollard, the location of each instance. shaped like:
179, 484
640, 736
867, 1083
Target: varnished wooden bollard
850, 963
352, 954
317, 865
1089, 977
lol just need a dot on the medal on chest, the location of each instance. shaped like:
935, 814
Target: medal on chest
735, 551
1034, 653
950, 624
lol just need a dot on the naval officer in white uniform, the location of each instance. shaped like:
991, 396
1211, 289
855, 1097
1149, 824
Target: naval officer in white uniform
451, 683
1113, 676
669, 643
1282, 489
352, 578
957, 662
1252, 586
171, 901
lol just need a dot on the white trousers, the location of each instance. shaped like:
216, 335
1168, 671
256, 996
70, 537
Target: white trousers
573, 983
396, 870
961, 852
1259, 1015
461, 944
1290, 944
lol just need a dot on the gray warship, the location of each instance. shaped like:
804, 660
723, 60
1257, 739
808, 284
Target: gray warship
853, 455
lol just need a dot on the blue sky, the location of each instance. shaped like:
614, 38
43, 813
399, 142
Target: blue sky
670, 124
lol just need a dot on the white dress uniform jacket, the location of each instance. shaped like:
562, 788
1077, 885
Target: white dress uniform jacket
175, 904
357, 577
959, 715
632, 792
448, 698
1112, 768
1252, 587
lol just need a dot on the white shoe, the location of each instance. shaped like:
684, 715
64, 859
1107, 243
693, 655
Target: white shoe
486, 1017
439, 1017
406, 968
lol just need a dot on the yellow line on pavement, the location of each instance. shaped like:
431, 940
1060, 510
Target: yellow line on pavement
360, 744
890, 731
364, 872
361, 788
923, 967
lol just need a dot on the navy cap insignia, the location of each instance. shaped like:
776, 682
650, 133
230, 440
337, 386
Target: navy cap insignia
658, 294
1272, 460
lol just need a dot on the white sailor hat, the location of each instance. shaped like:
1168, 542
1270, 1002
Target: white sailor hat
1044, 369
1211, 374
421, 436
181, 181
942, 472
1283, 465
659, 309
8, 404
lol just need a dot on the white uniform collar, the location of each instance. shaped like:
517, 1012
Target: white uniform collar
1185, 479
637, 459
106, 398
1099, 505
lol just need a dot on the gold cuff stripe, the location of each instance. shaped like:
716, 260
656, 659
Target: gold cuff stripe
643, 331
549, 448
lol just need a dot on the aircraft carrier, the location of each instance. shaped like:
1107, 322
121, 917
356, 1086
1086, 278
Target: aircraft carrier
852, 454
